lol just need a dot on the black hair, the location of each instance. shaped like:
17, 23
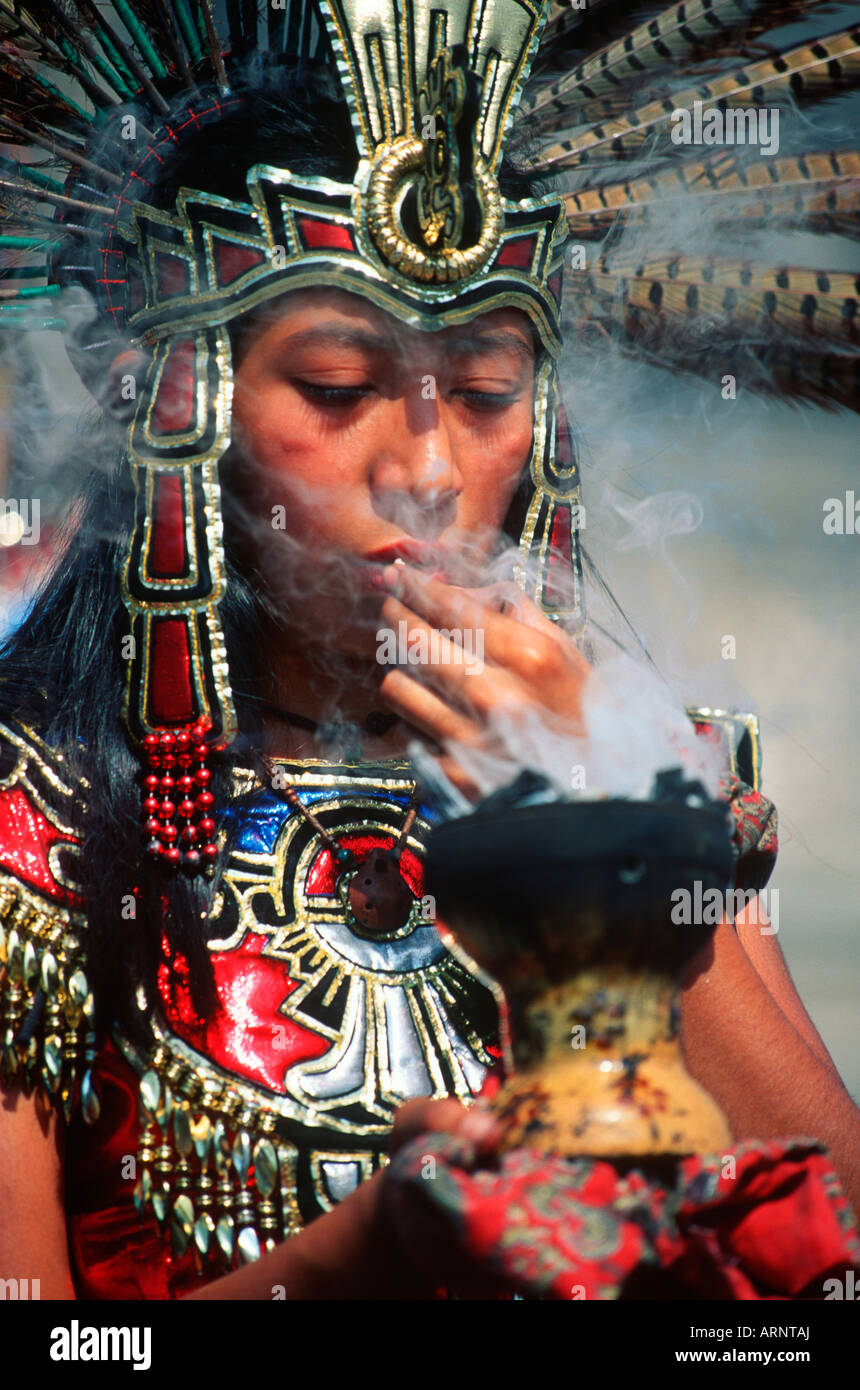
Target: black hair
62, 672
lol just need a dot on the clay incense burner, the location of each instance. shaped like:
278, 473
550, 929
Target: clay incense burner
568, 906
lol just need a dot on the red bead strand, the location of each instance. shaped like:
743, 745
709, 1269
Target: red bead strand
178, 803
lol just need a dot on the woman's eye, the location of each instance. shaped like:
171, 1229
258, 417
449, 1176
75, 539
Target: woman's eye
334, 395
488, 400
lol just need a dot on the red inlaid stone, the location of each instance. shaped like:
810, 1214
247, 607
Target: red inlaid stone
167, 554
557, 587
316, 233
170, 699
517, 254
175, 405
171, 276
232, 261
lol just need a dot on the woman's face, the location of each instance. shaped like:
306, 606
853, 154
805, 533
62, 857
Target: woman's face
362, 440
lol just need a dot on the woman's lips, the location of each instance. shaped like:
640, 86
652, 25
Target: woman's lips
372, 577
418, 556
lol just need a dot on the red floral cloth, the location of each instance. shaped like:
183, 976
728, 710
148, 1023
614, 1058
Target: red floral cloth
754, 833
767, 1222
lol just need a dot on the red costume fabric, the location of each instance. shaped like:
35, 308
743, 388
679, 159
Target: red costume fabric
769, 1221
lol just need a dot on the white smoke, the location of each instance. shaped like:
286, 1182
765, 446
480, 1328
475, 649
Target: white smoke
632, 728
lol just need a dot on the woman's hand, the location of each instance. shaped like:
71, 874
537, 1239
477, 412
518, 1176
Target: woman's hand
353, 1251
516, 665
475, 1124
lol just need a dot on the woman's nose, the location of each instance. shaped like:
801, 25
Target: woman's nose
414, 477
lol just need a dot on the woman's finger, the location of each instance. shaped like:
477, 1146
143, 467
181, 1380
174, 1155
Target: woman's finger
426, 711
456, 673
476, 1124
444, 606
519, 639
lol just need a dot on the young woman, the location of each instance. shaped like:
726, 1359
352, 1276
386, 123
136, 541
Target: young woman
229, 1010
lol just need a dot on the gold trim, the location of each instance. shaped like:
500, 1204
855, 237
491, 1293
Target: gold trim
30, 747
391, 167
199, 1140
728, 720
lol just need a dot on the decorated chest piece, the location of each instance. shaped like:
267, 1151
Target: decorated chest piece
343, 1002
375, 896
